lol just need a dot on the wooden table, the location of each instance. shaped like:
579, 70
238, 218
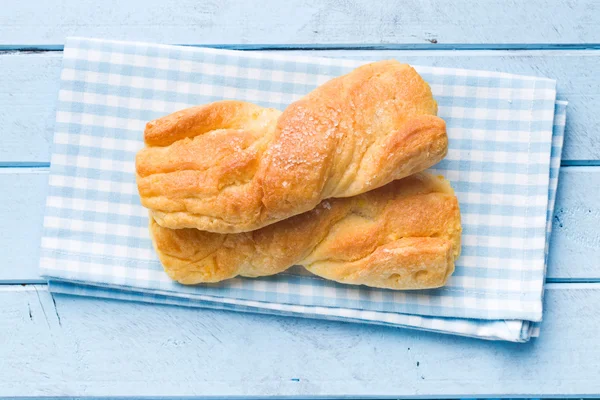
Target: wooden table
67, 346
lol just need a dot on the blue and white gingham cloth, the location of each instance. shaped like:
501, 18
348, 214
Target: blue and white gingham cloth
503, 130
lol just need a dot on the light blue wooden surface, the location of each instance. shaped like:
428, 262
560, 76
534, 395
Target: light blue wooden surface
333, 22
72, 346
66, 346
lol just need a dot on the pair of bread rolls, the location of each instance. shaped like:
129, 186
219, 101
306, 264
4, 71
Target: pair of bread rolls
333, 183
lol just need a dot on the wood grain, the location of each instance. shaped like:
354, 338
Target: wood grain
30, 22
575, 246
69, 346
29, 90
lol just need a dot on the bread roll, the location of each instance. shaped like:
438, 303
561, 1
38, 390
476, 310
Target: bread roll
232, 166
405, 235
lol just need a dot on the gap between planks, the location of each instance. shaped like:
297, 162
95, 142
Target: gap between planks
45, 165
551, 283
40, 48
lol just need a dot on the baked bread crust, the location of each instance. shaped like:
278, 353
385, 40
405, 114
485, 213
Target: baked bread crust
405, 235
232, 166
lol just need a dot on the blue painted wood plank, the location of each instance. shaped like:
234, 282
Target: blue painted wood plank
69, 346
22, 200
575, 248
303, 21
29, 89
28, 92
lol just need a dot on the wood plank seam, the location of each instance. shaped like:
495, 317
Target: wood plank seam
437, 46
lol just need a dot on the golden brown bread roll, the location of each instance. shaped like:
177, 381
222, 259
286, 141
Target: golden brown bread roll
232, 166
405, 235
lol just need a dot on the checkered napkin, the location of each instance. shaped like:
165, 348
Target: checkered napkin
505, 144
